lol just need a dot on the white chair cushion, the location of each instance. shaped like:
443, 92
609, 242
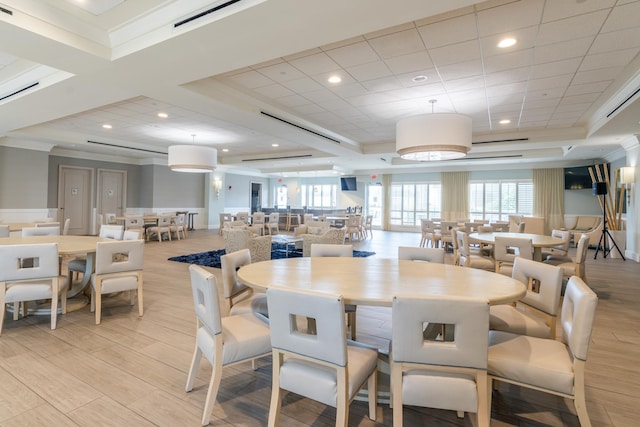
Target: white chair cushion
534, 361
318, 382
511, 319
256, 303
33, 290
245, 336
440, 390
117, 284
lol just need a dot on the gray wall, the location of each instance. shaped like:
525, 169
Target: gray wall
178, 189
23, 178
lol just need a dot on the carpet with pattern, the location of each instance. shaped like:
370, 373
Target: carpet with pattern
212, 258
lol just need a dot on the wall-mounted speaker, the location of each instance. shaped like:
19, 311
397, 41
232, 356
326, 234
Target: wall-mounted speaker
599, 188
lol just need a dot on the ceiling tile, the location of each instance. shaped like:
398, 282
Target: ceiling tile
353, 54
455, 53
550, 69
616, 40
599, 75
571, 28
409, 63
562, 50
281, 72
397, 44
303, 85
617, 58
450, 31
510, 17
624, 16
314, 64
371, 71
556, 10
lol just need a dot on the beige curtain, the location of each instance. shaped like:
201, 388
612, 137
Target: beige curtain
455, 195
548, 197
386, 200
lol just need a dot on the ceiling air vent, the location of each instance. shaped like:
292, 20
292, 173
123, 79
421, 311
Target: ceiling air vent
106, 144
301, 156
500, 140
623, 102
7, 11
509, 156
300, 127
19, 91
205, 13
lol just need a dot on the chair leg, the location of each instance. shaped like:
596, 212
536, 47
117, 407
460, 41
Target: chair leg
212, 392
484, 412
351, 320
193, 369
372, 388
579, 398
396, 394
276, 398
140, 299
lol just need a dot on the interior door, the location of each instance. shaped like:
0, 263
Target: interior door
75, 186
112, 191
256, 196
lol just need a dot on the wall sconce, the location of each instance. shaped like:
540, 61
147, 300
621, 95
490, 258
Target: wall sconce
627, 177
217, 185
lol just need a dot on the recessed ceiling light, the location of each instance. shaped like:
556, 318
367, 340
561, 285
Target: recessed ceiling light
163, 115
508, 42
505, 121
226, 150
106, 126
334, 79
275, 145
418, 79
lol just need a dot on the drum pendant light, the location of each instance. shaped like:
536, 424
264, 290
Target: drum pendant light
192, 158
433, 137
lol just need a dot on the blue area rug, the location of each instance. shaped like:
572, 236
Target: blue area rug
212, 258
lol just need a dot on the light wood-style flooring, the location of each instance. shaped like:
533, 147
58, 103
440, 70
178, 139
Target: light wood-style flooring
131, 371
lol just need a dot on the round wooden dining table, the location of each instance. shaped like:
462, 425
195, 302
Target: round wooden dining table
538, 241
67, 245
375, 281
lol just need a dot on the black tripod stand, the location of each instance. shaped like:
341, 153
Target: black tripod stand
600, 189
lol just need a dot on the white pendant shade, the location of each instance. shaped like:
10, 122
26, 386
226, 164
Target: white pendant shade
432, 137
192, 158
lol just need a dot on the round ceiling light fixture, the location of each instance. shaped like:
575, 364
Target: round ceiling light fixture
433, 137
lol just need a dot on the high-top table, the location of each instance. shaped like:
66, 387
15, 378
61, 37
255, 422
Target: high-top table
538, 241
375, 281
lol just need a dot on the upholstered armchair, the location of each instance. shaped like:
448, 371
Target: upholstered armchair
239, 238
312, 227
333, 236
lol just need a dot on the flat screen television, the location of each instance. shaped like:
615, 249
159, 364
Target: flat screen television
348, 183
577, 178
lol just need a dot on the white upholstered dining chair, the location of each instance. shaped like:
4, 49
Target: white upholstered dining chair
223, 341
79, 264
421, 254
506, 249
119, 266
550, 366
321, 365
337, 250
36, 279
575, 266
536, 313
439, 373
469, 259
164, 226
41, 231
240, 299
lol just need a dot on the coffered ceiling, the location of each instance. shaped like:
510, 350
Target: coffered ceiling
250, 78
